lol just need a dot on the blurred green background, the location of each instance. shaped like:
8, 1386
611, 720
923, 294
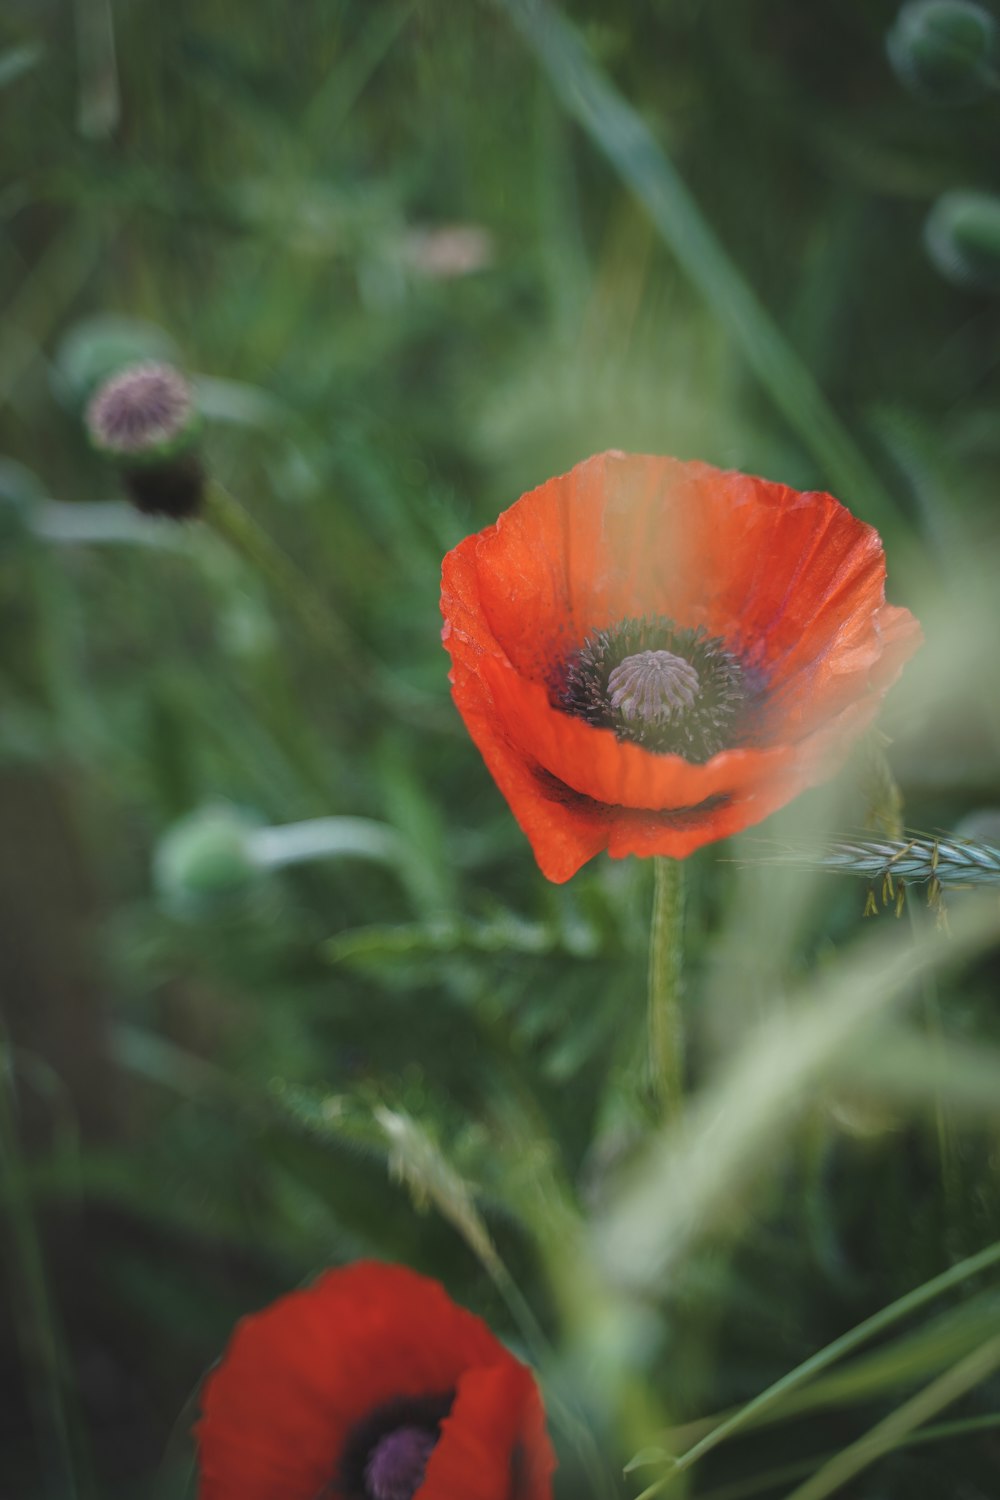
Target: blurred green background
416, 259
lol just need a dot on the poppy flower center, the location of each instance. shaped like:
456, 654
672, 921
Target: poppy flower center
386, 1453
652, 686
395, 1468
671, 689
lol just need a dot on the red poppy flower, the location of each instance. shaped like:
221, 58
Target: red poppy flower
371, 1384
653, 654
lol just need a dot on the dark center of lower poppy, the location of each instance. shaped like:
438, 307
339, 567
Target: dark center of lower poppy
395, 1468
670, 689
385, 1454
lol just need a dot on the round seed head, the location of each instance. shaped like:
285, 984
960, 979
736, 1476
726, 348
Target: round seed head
144, 413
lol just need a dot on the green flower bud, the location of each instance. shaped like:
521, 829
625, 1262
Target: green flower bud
145, 420
204, 864
945, 51
962, 235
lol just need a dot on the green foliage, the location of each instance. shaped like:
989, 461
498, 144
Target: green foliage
417, 257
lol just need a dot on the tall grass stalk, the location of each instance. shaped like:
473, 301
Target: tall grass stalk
918, 857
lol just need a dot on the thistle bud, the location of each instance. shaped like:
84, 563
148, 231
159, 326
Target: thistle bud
962, 235
205, 863
145, 420
946, 51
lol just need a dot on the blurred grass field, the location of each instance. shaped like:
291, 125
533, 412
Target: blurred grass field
417, 258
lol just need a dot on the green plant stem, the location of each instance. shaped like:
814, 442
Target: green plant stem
230, 520
666, 972
235, 525
944, 1123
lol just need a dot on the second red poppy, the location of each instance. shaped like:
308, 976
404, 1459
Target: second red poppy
371, 1384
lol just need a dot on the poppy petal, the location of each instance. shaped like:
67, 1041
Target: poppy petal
497, 1410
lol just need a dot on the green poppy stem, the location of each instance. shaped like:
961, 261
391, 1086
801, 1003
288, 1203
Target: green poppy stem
235, 525
230, 520
666, 971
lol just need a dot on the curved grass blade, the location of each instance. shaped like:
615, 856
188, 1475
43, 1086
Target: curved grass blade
754, 1411
941, 1432
685, 1178
618, 130
895, 1428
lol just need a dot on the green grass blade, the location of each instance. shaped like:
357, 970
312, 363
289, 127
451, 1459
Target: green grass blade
618, 130
687, 1176
941, 1432
871, 1328
895, 1428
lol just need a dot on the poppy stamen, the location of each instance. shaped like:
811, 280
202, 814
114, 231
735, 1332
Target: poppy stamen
395, 1468
654, 686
